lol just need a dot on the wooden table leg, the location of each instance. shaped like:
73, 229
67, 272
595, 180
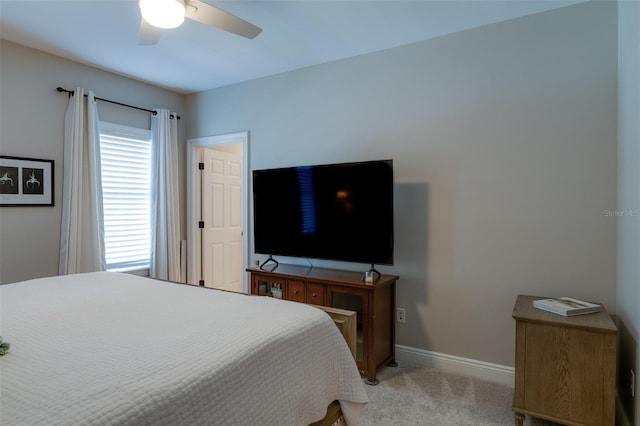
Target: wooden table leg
519, 419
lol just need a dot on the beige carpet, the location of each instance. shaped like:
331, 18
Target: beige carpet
410, 395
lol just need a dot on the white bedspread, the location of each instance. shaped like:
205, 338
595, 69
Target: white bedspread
107, 348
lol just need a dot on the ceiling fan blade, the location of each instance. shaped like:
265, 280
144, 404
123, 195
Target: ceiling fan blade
149, 35
210, 15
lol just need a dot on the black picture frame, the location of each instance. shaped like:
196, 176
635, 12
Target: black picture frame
26, 182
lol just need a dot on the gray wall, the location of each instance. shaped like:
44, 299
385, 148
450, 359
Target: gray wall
504, 142
628, 290
32, 125
504, 145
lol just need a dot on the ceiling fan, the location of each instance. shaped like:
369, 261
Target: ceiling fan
158, 15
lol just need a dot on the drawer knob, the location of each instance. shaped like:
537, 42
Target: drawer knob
295, 291
314, 295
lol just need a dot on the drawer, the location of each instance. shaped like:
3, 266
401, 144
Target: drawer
314, 294
295, 291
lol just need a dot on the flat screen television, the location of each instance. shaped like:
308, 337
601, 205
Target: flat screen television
340, 212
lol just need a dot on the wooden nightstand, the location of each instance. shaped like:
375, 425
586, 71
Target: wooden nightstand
565, 366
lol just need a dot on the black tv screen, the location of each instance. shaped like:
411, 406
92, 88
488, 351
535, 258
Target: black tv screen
338, 212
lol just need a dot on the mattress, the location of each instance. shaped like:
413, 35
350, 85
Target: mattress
110, 348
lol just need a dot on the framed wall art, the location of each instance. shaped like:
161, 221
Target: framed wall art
26, 181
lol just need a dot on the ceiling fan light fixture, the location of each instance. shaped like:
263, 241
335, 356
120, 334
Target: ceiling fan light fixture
163, 13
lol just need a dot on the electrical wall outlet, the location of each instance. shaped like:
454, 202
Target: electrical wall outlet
401, 315
632, 385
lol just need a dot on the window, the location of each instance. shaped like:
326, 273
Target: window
126, 191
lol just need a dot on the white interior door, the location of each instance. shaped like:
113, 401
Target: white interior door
222, 248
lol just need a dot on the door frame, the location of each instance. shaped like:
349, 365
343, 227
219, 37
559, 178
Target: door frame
193, 201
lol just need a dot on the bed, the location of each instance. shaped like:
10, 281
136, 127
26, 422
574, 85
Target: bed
118, 349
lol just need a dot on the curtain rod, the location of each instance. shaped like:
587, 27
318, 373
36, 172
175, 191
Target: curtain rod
70, 93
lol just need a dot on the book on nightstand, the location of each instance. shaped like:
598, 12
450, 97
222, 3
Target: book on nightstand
566, 306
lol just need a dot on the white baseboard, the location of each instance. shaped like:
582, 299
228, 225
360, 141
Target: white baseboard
455, 364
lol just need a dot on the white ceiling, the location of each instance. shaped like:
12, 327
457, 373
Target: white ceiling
195, 57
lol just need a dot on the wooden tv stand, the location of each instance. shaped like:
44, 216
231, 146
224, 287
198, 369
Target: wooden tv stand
374, 304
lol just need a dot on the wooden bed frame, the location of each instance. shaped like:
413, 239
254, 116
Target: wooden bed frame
333, 416
346, 322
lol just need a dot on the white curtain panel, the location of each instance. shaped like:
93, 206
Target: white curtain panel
165, 201
82, 229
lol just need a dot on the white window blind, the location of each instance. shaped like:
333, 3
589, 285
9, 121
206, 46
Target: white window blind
126, 190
